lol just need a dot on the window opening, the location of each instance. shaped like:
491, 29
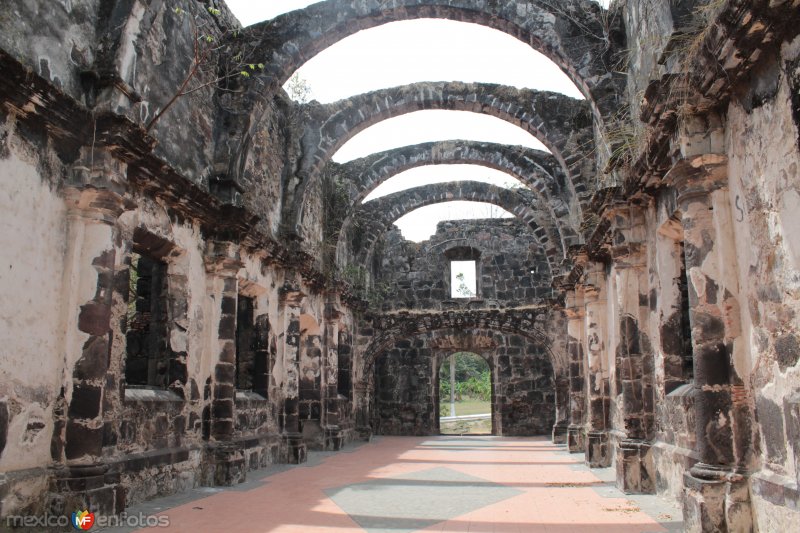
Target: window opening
147, 352
463, 279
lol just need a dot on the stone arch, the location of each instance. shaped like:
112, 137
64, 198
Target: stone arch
538, 170
372, 219
579, 36
529, 323
562, 123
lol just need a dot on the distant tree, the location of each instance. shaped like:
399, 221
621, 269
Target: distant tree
299, 89
462, 289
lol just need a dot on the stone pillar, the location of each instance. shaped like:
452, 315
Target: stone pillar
291, 302
716, 496
330, 376
598, 391
562, 410
222, 265
89, 278
576, 432
361, 408
634, 358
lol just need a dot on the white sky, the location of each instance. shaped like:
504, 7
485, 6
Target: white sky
422, 50
468, 284
418, 176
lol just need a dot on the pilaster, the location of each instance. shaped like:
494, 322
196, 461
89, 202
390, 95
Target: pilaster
716, 495
598, 392
633, 357
222, 266
291, 302
576, 431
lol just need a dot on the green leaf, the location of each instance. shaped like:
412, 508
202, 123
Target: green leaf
245, 74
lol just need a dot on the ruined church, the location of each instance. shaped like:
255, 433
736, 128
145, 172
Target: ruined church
191, 289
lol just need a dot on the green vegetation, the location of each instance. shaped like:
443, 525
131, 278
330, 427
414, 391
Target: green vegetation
473, 385
466, 407
466, 427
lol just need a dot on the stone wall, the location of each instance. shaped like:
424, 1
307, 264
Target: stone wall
762, 140
407, 382
512, 269
31, 321
651, 321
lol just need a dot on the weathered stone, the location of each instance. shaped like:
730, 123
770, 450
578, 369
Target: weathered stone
642, 302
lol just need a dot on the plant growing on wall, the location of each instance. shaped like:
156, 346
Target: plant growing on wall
462, 289
213, 65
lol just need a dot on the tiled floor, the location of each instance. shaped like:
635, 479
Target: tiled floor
402, 484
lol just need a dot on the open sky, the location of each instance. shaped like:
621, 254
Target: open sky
423, 50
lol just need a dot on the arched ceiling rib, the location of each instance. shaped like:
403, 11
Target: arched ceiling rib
369, 221
538, 170
562, 123
579, 36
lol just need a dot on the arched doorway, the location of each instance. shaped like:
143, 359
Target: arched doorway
465, 387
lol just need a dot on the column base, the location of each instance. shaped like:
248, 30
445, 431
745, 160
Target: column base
560, 433
598, 454
635, 467
333, 438
576, 439
86, 487
296, 448
716, 499
364, 433
228, 463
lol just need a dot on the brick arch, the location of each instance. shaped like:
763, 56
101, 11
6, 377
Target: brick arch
579, 36
538, 170
369, 221
562, 123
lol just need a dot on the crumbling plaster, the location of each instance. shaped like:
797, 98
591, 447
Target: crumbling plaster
32, 334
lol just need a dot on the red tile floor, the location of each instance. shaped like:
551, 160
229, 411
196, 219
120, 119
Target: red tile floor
447, 483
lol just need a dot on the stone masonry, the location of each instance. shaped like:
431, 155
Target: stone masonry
192, 289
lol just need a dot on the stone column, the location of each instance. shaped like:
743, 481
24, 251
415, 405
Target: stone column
222, 265
576, 432
361, 408
598, 391
291, 302
634, 372
330, 376
716, 496
562, 410
89, 278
